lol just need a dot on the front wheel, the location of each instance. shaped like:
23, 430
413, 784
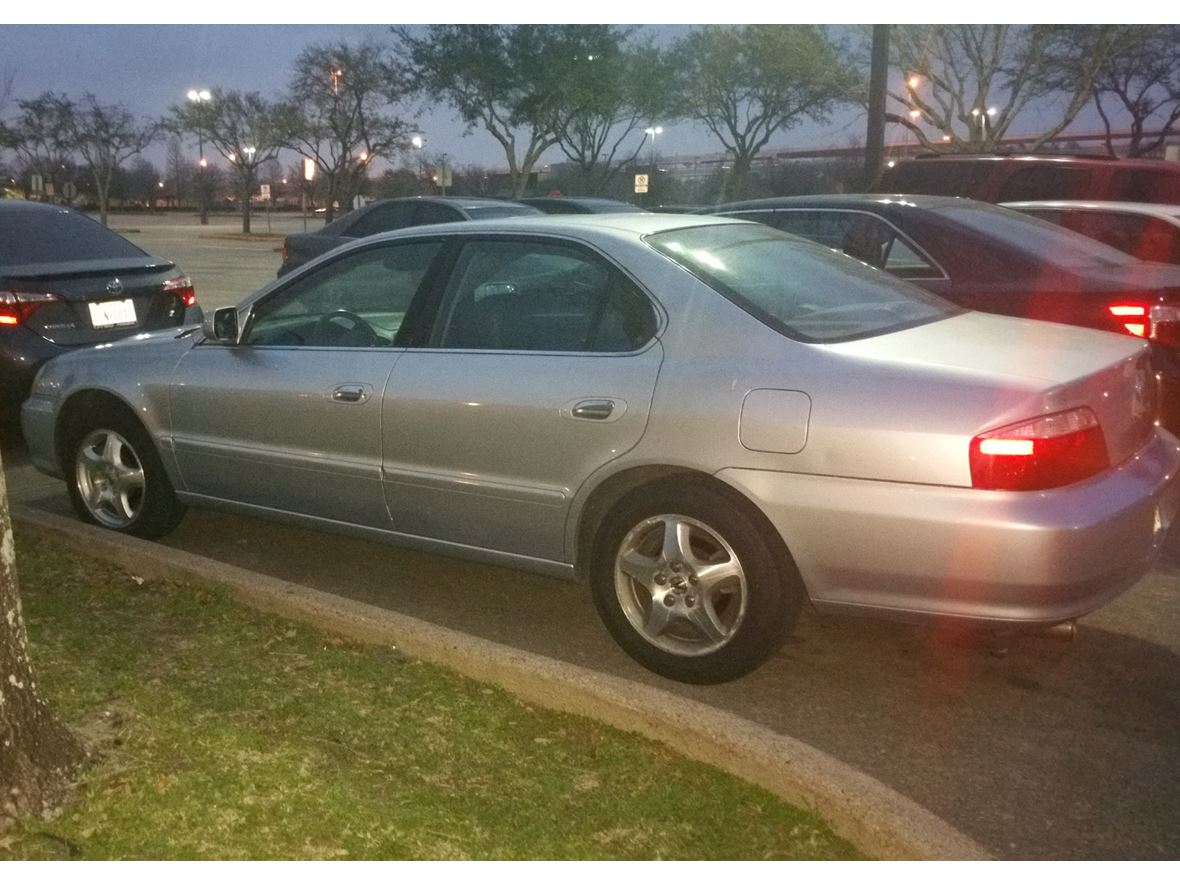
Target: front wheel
686, 581
116, 480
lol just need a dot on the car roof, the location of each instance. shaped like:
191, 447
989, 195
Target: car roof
1160, 210
580, 201
635, 223
458, 202
15, 206
843, 201
1079, 159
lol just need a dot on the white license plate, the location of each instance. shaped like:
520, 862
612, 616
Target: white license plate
104, 314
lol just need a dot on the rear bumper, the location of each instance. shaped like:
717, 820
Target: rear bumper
21, 354
1013, 558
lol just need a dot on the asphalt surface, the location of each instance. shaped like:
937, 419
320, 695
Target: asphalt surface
1054, 751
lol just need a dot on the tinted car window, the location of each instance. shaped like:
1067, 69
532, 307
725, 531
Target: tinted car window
861, 235
501, 211
358, 300
1048, 242
1142, 236
49, 237
940, 178
543, 296
389, 216
1145, 186
1045, 181
805, 291
435, 213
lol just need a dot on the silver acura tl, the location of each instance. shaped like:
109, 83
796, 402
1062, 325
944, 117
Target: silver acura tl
706, 419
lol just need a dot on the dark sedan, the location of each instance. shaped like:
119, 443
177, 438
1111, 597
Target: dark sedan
386, 215
987, 258
67, 281
579, 205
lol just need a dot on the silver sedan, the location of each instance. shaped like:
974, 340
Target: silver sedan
709, 421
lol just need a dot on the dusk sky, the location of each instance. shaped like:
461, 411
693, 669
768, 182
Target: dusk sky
148, 68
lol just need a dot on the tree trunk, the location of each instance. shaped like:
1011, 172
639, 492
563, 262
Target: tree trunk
37, 752
245, 195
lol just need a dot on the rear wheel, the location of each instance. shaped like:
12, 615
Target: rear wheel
116, 479
689, 584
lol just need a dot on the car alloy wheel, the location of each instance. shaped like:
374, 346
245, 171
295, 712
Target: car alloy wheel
110, 479
680, 585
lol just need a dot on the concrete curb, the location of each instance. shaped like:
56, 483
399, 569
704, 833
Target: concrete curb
874, 817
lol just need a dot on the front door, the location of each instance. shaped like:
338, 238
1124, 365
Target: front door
290, 418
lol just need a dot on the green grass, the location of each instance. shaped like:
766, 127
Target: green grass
227, 733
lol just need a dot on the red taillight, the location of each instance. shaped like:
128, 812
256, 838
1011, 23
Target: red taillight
1041, 453
1133, 317
182, 288
17, 307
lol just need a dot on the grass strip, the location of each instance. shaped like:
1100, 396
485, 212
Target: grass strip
221, 732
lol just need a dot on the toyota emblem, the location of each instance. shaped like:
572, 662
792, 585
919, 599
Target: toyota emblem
115, 286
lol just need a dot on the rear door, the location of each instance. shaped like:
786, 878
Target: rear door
541, 369
290, 419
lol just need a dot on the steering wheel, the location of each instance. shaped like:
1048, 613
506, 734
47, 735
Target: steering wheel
344, 328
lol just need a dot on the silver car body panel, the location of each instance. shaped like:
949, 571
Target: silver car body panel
480, 455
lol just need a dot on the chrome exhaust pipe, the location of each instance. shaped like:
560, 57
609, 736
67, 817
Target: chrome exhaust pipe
1065, 631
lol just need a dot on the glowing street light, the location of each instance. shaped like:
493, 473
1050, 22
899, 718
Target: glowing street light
201, 96
336, 72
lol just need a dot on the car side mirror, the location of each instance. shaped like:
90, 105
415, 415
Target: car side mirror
222, 325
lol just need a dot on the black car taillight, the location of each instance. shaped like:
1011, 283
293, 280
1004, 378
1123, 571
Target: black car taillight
1041, 453
17, 307
182, 288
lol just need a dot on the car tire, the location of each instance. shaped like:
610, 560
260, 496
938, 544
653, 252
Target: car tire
117, 481
692, 583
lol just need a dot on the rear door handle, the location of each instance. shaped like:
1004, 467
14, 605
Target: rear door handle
593, 409
350, 393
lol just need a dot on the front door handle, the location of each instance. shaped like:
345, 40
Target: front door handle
350, 393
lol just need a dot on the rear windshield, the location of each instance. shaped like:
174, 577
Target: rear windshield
1049, 243
52, 237
500, 211
802, 289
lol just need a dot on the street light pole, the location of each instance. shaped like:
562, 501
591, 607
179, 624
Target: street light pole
652, 132
199, 97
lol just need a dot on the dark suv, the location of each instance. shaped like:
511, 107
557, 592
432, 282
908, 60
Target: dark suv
1007, 179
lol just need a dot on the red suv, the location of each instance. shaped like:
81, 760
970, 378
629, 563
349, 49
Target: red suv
1005, 179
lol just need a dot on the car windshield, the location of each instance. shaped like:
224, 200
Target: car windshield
1050, 243
52, 237
802, 289
500, 211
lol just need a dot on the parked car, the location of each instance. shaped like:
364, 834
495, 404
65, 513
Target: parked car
578, 205
381, 216
1008, 178
710, 420
67, 282
988, 258
1147, 231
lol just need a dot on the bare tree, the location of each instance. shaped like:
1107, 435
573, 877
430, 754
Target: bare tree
969, 83
41, 137
612, 92
340, 98
106, 136
747, 84
244, 128
37, 752
506, 79
1141, 78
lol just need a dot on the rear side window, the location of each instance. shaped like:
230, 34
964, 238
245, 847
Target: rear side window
1045, 181
390, 216
861, 235
943, 179
54, 236
802, 290
501, 211
1146, 186
434, 213
1143, 236
518, 295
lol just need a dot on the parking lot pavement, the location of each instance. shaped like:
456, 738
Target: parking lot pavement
1057, 750
223, 264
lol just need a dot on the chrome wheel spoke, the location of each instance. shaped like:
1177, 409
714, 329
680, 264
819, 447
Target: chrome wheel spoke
677, 547
642, 568
112, 448
658, 617
714, 575
109, 479
704, 617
